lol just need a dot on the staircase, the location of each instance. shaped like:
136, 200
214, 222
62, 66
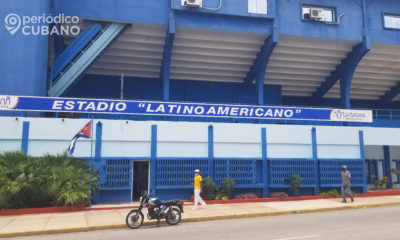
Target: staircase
78, 57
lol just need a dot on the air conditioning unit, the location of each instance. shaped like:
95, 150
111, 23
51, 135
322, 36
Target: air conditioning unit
193, 3
317, 14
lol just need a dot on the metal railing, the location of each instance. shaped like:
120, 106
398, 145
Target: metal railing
390, 114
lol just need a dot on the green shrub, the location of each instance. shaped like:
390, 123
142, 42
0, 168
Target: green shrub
220, 194
332, 192
228, 185
381, 182
208, 190
295, 181
44, 181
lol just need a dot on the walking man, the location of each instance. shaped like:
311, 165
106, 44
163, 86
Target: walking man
346, 184
198, 184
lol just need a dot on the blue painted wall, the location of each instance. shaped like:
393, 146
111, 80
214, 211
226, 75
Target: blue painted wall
158, 12
93, 86
350, 27
223, 22
234, 16
235, 8
375, 10
154, 11
23, 59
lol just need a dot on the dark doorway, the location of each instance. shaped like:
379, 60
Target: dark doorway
140, 178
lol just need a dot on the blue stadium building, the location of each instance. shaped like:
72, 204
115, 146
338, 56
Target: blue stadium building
241, 56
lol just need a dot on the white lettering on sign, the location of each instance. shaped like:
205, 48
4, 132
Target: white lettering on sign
88, 106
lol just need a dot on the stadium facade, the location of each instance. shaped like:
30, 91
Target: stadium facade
313, 54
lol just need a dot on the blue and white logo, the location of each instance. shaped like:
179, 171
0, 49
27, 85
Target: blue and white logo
8, 102
12, 23
347, 115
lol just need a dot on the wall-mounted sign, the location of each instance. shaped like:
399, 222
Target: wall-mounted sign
47, 104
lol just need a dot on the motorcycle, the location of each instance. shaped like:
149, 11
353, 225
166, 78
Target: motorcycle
170, 210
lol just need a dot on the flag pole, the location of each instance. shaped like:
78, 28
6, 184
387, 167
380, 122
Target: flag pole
90, 165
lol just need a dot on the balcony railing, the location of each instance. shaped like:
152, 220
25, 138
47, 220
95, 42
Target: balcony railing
390, 114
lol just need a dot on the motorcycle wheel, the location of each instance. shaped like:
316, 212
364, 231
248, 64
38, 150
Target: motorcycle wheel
173, 216
134, 219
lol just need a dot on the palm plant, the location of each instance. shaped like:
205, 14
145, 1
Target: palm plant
68, 180
15, 179
45, 181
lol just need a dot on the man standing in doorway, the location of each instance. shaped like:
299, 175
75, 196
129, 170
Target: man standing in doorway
346, 184
198, 184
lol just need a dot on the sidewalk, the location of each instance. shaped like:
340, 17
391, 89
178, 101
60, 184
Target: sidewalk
33, 224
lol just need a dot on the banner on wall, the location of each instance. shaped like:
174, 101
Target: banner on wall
153, 108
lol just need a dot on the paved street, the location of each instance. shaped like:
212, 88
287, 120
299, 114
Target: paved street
369, 223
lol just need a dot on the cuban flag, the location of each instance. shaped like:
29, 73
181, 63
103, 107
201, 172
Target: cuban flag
85, 132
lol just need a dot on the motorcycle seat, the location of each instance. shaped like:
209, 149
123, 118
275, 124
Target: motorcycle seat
171, 202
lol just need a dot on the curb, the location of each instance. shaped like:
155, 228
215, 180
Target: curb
271, 199
188, 202
200, 219
246, 215
58, 209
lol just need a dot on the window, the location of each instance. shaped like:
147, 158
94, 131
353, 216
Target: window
392, 21
321, 14
258, 6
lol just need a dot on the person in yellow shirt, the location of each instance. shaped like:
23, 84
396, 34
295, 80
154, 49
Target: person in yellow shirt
198, 184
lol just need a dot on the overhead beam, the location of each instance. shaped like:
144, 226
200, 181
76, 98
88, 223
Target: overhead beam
259, 67
349, 69
353, 60
166, 60
391, 94
263, 63
344, 72
250, 74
